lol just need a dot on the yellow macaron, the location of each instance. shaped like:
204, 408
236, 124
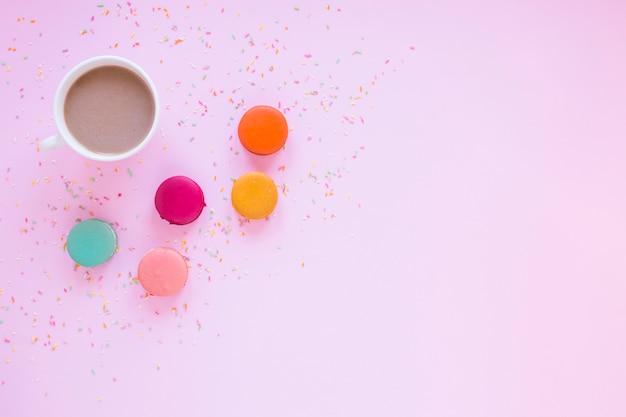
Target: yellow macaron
254, 195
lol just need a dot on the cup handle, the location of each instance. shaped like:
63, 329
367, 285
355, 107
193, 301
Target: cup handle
51, 142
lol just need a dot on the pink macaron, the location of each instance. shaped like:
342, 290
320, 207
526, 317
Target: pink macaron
162, 271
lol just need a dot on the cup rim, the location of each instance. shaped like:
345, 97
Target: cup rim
64, 86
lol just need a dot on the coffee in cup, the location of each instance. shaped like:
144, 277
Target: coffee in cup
106, 109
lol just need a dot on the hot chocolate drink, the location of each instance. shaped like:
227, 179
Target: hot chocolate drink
109, 110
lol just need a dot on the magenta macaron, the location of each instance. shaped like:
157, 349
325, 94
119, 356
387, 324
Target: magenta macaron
179, 200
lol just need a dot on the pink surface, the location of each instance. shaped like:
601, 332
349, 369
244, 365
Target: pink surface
449, 240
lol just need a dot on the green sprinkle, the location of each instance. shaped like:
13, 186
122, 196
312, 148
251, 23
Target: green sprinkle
130, 173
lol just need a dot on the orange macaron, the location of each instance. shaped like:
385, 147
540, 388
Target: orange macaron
263, 130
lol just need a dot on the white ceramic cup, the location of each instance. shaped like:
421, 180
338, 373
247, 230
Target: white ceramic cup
65, 137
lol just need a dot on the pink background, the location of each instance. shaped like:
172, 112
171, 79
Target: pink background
449, 239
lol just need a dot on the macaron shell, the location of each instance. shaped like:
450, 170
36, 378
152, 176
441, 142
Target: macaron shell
179, 200
254, 195
162, 271
91, 242
263, 130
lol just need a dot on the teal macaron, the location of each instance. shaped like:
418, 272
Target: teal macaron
91, 242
